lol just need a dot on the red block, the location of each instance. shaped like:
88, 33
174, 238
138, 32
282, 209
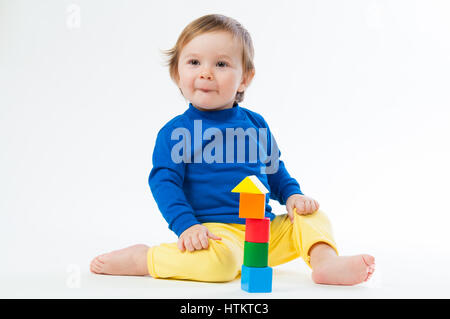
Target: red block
257, 230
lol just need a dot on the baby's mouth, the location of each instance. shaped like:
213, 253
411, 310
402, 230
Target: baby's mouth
205, 91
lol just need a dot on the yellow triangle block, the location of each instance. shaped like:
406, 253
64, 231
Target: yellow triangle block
252, 185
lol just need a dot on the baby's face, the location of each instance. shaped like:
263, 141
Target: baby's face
210, 71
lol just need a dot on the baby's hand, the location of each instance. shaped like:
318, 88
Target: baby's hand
302, 204
195, 238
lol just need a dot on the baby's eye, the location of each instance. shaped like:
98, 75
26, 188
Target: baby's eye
222, 63
193, 62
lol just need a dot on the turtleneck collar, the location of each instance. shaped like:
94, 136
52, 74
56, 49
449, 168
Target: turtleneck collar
220, 115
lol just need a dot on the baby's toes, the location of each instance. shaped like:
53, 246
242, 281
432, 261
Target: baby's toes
369, 273
93, 267
368, 260
96, 265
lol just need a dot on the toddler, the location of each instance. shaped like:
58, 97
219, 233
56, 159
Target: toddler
196, 164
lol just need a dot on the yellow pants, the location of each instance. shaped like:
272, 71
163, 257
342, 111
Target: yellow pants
222, 260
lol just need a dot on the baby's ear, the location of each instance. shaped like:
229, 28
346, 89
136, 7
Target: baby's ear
246, 80
176, 79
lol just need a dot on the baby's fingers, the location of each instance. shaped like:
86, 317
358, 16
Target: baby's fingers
204, 240
212, 236
290, 212
180, 245
308, 207
300, 207
315, 205
196, 243
188, 244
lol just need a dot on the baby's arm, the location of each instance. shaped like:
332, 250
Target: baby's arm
286, 189
166, 183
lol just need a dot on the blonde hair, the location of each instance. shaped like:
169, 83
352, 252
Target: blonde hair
211, 23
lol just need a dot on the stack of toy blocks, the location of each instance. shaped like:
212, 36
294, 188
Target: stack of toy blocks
256, 276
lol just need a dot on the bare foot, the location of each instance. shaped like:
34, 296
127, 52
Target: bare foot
130, 261
330, 269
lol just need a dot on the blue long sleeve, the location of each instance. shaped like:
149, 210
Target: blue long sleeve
282, 185
166, 183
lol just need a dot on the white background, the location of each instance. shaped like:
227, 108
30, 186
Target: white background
356, 93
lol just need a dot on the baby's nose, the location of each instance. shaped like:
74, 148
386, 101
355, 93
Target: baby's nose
206, 75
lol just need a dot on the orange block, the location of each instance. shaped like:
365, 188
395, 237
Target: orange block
252, 205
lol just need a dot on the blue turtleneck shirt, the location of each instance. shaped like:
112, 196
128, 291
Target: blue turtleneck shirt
200, 156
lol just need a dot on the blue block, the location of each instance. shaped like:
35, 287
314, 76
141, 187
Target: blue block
256, 279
